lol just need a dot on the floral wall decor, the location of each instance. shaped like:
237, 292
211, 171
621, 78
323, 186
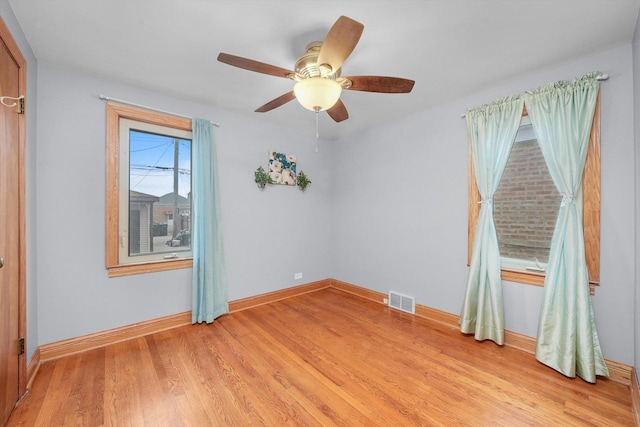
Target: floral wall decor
282, 168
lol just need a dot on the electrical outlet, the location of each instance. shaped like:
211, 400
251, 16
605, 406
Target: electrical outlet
297, 276
385, 301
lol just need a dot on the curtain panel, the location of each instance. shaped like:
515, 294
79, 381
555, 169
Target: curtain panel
492, 129
561, 116
209, 285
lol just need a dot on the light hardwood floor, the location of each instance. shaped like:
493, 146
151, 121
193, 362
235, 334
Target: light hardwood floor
319, 359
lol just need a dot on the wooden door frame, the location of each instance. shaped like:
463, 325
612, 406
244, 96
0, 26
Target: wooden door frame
14, 50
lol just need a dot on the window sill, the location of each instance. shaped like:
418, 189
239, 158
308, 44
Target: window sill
149, 267
523, 277
536, 279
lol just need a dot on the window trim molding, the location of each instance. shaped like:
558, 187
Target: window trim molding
590, 211
114, 113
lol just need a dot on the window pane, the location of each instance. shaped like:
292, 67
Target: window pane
526, 203
159, 193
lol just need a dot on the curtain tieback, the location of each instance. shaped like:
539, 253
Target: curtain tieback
487, 201
567, 198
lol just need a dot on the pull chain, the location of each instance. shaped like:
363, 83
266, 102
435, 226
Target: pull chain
317, 132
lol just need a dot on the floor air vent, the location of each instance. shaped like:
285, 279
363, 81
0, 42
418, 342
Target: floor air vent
402, 302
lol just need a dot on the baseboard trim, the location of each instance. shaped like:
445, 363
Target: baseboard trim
84, 343
618, 371
254, 301
33, 367
358, 291
635, 397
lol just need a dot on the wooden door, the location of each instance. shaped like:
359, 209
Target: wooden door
11, 224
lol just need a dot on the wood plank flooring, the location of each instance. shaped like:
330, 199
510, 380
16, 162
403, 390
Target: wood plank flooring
320, 359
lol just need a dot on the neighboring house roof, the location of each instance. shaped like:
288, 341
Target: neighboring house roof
167, 199
138, 197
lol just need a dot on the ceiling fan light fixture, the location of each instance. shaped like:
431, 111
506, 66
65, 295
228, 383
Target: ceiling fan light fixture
317, 93
318, 73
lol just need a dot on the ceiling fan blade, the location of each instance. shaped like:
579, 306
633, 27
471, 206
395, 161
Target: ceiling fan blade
251, 65
340, 42
380, 84
338, 112
279, 101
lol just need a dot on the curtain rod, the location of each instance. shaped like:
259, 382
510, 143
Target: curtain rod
601, 77
133, 104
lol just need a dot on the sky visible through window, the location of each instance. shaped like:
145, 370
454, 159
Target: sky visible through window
152, 162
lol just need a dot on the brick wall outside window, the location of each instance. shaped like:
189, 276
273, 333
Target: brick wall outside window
526, 205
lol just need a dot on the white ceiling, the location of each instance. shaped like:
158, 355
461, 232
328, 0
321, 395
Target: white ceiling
451, 48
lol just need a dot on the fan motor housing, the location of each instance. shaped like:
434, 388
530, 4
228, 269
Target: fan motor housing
307, 64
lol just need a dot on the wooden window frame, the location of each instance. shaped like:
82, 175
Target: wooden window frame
590, 212
115, 112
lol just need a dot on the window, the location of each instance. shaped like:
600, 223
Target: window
522, 225
525, 206
148, 191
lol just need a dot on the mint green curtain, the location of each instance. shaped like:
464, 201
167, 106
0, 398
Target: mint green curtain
492, 130
209, 285
561, 115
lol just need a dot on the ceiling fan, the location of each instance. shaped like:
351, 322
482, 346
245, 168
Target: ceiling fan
318, 73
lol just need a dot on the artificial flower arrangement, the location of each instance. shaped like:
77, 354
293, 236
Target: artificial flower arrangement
262, 178
303, 180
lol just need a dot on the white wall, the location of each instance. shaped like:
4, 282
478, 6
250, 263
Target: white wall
31, 262
268, 235
400, 205
636, 91
394, 216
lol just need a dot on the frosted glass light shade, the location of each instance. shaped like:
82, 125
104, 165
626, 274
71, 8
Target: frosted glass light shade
317, 93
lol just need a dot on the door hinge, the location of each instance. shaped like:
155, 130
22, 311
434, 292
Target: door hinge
21, 105
21, 346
